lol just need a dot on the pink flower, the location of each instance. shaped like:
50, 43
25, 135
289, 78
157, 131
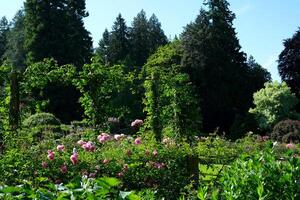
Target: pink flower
290, 146
51, 155
159, 165
137, 123
103, 137
155, 152
74, 158
64, 169
93, 175
44, 165
119, 137
58, 181
81, 142
138, 141
120, 174
89, 146
105, 161
60, 147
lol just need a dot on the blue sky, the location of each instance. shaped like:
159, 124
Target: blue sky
261, 25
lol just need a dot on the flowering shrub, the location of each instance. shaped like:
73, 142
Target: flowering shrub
139, 162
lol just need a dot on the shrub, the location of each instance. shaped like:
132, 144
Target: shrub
260, 176
41, 119
287, 131
273, 103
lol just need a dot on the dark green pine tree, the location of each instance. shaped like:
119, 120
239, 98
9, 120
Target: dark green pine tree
103, 50
139, 40
54, 28
119, 41
157, 36
216, 64
289, 64
15, 53
4, 28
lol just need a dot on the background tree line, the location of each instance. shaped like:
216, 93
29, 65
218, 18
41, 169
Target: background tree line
200, 82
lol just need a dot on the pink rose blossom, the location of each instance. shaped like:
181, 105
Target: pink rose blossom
155, 152
44, 165
81, 142
119, 137
103, 137
105, 161
92, 175
89, 146
290, 146
64, 169
60, 147
74, 158
120, 174
138, 141
137, 123
51, 155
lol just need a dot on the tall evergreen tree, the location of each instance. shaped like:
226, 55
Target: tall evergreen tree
216, 64
54, 28
157, 36
15, 53
103, 49
139, 39
289, 64
119, 43
145, 37
4, 28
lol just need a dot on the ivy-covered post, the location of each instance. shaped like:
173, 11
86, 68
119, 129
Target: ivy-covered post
14, 101
155, 119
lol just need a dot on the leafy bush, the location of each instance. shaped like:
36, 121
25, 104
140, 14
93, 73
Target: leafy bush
41, 119
287, 131
260, 176
84, 188
273, 103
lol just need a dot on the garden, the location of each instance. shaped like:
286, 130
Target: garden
141, 116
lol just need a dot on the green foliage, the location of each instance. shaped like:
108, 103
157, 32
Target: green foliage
39, 119
55, 29
101, 87
169, 98
145, 37
287, 131
289, 64
261, 176
85, 188
213, 58
48, 88
273, 103
4, 29
15, 53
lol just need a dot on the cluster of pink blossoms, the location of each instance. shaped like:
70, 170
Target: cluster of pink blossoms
50, 155
137, 123
103, 137
290, 146
87, 146
74, 158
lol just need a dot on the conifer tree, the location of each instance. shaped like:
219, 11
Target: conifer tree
119, 43
4, 28
103, 49
55, 29
289, 64
216, 64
